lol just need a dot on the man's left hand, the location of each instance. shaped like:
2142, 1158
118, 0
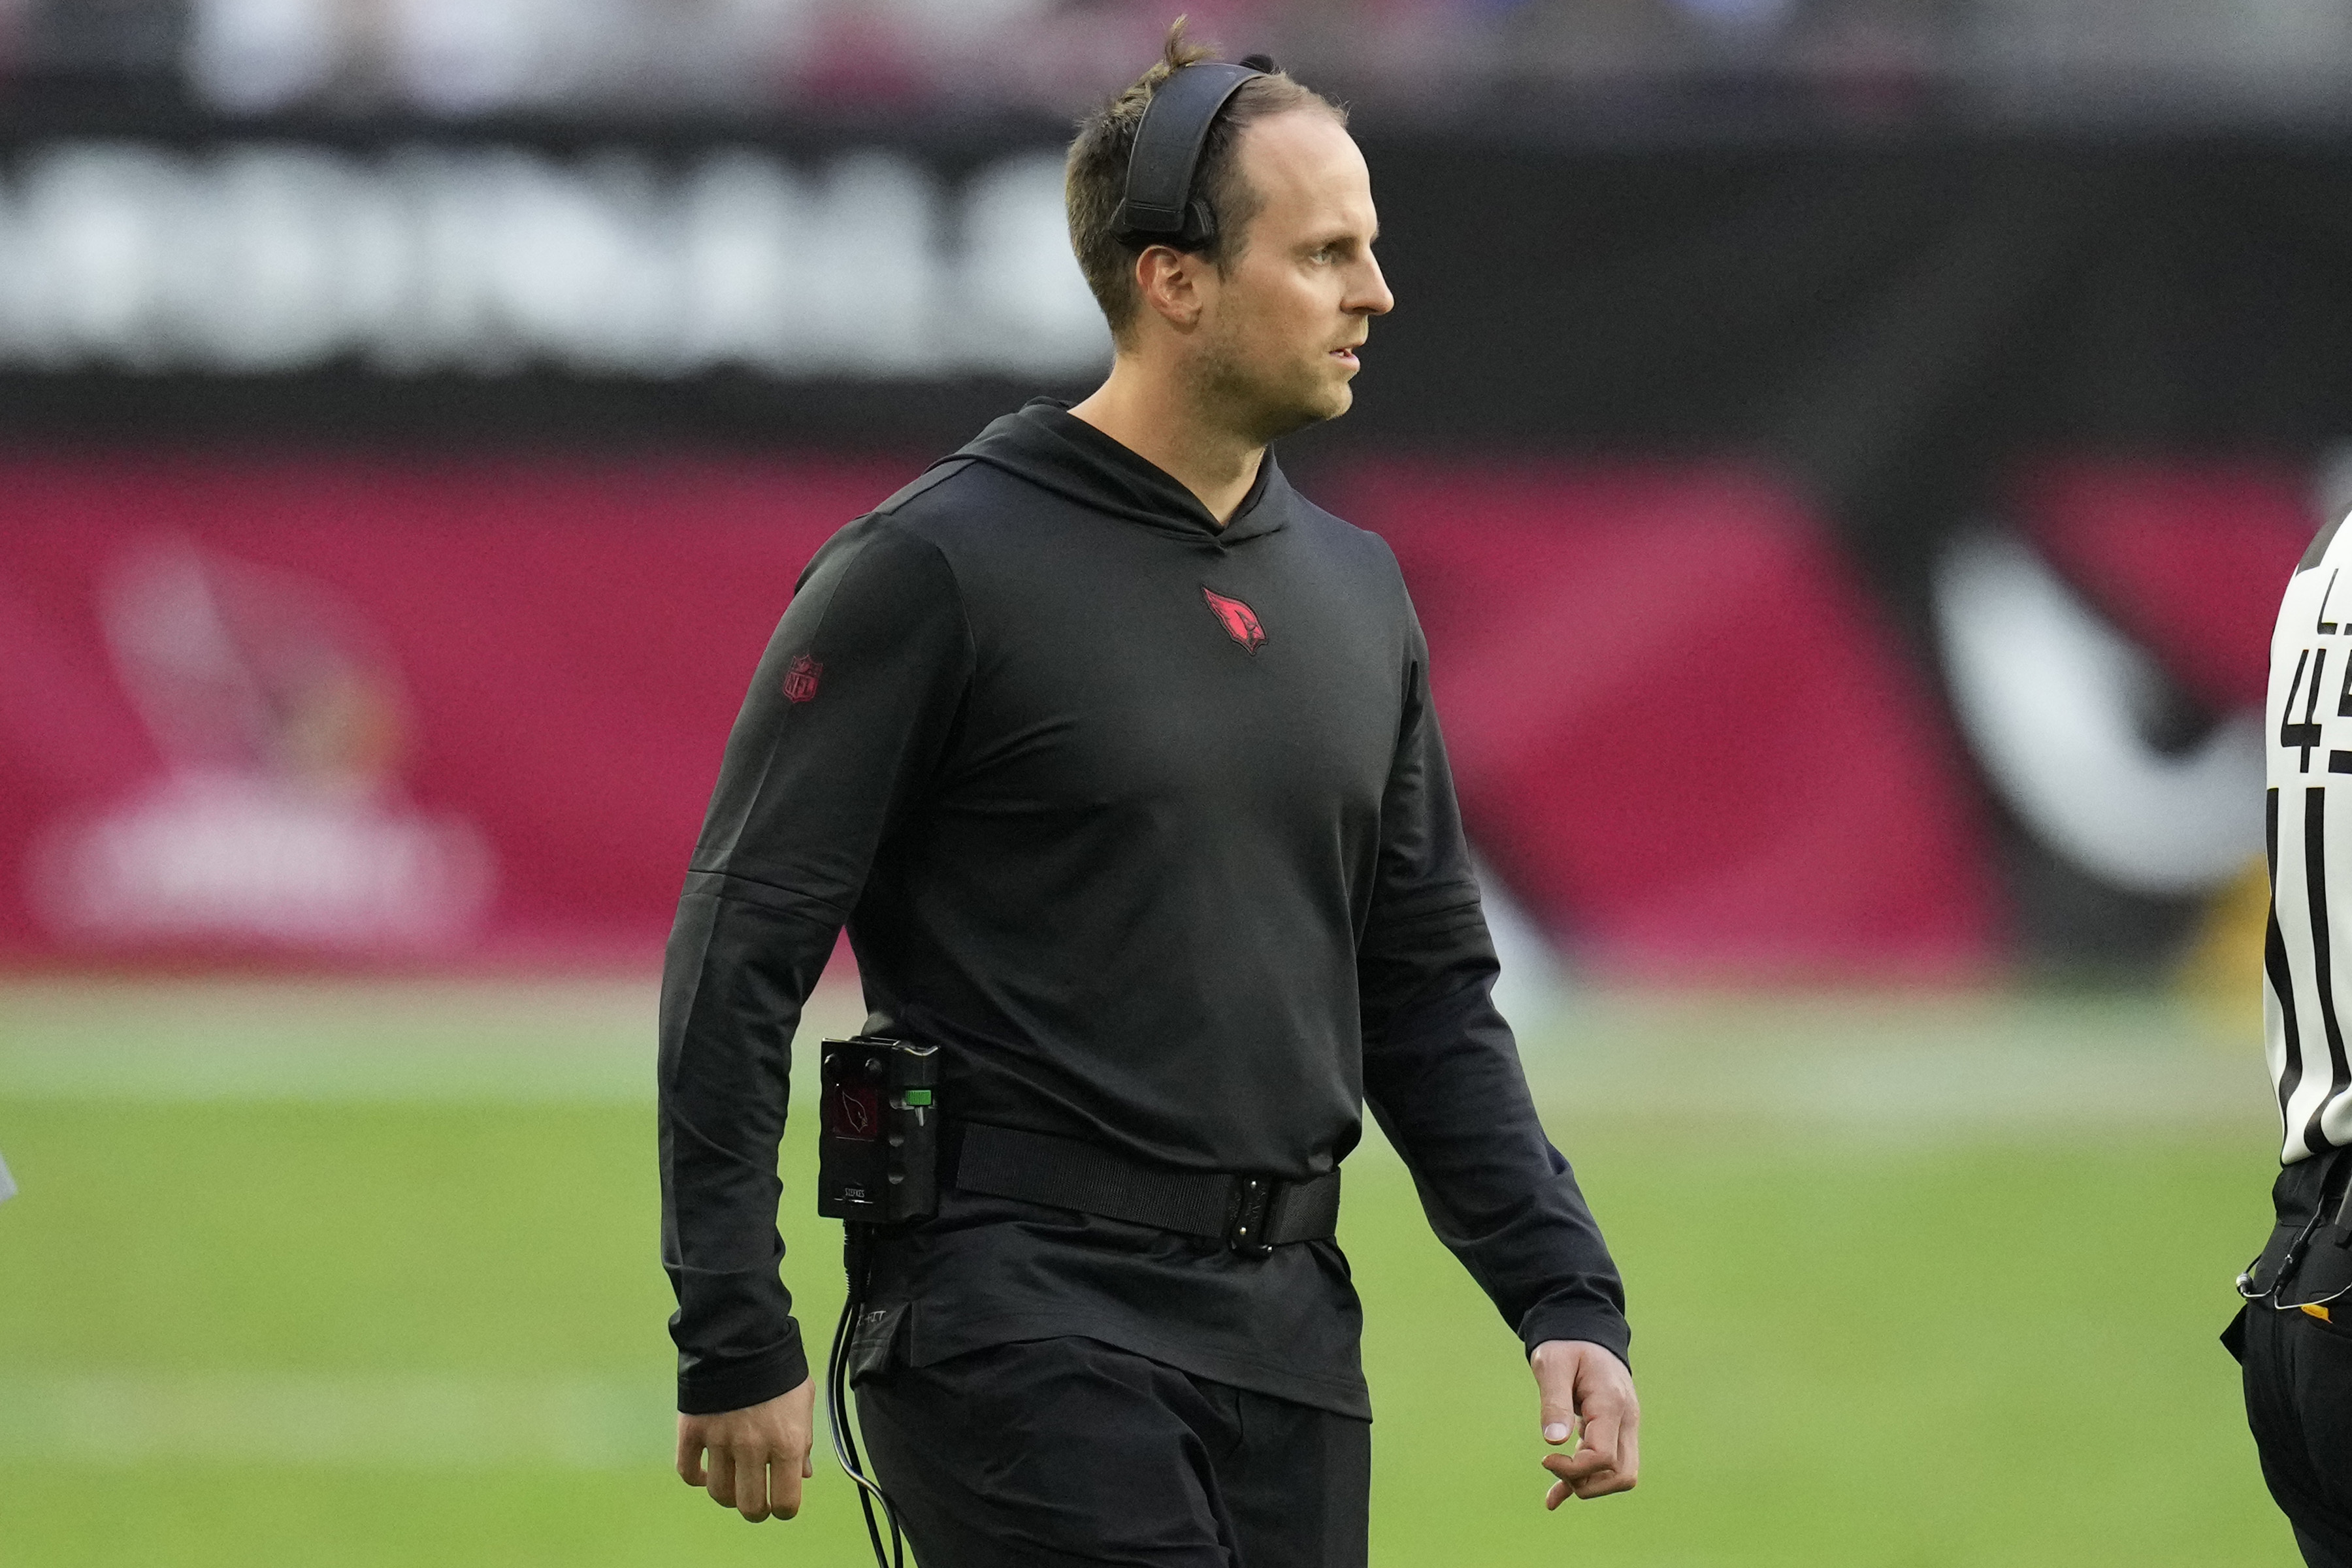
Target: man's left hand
1587, 1394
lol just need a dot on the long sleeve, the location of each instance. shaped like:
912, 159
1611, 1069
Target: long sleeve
839, 738
1442, 1071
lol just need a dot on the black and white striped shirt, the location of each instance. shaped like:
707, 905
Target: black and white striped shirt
2309, 834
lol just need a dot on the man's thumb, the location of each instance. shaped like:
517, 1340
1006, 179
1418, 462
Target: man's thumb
1556, 1388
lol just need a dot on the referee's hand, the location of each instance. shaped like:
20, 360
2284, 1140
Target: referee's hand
1587, 1394
758, 1455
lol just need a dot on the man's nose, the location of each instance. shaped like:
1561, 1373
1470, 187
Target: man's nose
1372, 296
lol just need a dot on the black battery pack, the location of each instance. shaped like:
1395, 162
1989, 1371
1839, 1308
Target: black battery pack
878, 1130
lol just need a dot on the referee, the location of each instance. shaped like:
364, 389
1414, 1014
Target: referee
1115, 756
2294, 1335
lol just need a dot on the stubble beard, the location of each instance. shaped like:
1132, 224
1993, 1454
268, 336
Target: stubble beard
1260, 403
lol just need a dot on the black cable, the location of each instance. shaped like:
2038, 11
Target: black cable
856, 1256
844, 1446
845, 1441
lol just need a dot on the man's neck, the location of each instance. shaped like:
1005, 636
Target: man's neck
1150, 416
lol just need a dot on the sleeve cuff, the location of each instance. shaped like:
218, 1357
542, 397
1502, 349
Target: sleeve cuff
1592, 1325
712, 1390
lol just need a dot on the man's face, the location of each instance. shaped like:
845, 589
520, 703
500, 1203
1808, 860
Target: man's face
1280, 326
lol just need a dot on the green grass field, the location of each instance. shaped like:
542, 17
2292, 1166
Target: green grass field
367, 1274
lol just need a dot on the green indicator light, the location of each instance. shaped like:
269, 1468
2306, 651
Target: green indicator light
919, 1097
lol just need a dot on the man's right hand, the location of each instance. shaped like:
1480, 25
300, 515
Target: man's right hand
758, 1455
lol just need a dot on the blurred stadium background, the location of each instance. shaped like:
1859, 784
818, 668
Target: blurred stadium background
1846, 454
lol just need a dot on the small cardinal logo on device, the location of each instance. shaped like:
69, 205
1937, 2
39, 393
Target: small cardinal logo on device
800, 681
1238, 619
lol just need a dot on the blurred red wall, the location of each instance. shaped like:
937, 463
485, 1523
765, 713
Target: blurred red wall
483, 699
359, 710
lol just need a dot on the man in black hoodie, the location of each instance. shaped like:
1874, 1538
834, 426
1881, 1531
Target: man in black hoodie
1115, 757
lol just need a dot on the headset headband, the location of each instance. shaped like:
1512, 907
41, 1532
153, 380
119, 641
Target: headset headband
1166, 152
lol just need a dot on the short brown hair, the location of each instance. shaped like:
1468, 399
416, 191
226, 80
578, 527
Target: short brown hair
1095, 179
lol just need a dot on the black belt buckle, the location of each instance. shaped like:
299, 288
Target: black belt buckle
1250, 1229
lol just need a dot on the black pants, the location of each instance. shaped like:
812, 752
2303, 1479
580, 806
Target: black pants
2298, 1376
1067, 1451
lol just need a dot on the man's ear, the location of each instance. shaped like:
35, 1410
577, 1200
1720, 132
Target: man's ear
1168, 282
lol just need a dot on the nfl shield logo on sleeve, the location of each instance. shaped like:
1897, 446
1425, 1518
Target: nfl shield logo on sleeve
800, 681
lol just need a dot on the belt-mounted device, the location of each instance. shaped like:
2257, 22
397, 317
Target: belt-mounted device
878, 1159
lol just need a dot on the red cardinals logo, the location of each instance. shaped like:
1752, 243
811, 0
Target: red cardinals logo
800, 681
856, 1112
1238, 619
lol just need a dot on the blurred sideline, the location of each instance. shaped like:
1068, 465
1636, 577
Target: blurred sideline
1833, 1069
1915, 1063
407, 1420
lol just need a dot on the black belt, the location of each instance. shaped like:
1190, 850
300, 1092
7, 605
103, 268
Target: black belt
1249, 1213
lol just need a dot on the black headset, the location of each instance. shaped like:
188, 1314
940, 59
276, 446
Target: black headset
1160, 207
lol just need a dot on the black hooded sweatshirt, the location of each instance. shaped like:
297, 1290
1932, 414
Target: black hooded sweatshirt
1147, 825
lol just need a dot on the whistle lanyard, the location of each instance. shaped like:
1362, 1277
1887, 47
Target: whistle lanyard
2332, 1196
